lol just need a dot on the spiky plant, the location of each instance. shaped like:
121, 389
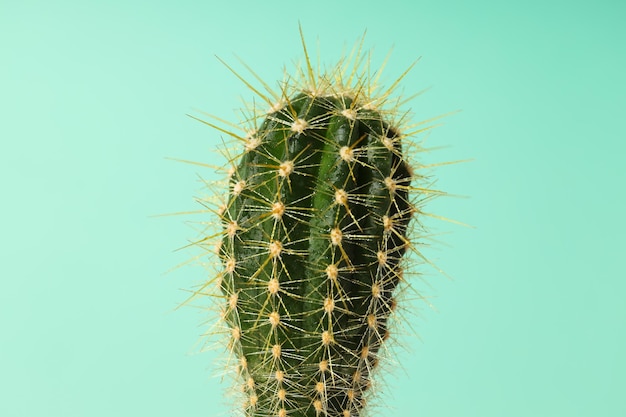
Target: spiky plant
315, 227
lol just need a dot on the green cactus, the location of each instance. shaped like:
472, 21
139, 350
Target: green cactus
315, 227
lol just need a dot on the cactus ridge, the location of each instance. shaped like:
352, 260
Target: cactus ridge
313, 236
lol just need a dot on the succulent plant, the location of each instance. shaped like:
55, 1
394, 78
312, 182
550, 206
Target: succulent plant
318, 218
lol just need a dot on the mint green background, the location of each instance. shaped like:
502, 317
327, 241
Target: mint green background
93, 97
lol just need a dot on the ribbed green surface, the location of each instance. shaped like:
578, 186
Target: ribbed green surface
314, 233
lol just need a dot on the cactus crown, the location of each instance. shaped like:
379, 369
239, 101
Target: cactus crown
314, 229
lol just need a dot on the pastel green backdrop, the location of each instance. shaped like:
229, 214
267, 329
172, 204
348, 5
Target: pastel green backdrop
93, 97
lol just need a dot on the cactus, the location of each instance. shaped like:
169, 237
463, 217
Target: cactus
314, 233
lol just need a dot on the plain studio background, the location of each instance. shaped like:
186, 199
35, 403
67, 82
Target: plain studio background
93, 97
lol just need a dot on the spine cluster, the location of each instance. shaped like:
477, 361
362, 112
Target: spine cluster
314, 231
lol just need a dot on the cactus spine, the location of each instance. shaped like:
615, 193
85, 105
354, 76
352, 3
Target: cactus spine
314, 231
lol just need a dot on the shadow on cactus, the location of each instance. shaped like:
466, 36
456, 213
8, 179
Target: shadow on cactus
322, 213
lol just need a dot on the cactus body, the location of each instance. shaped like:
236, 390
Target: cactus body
315, 230
315, 227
